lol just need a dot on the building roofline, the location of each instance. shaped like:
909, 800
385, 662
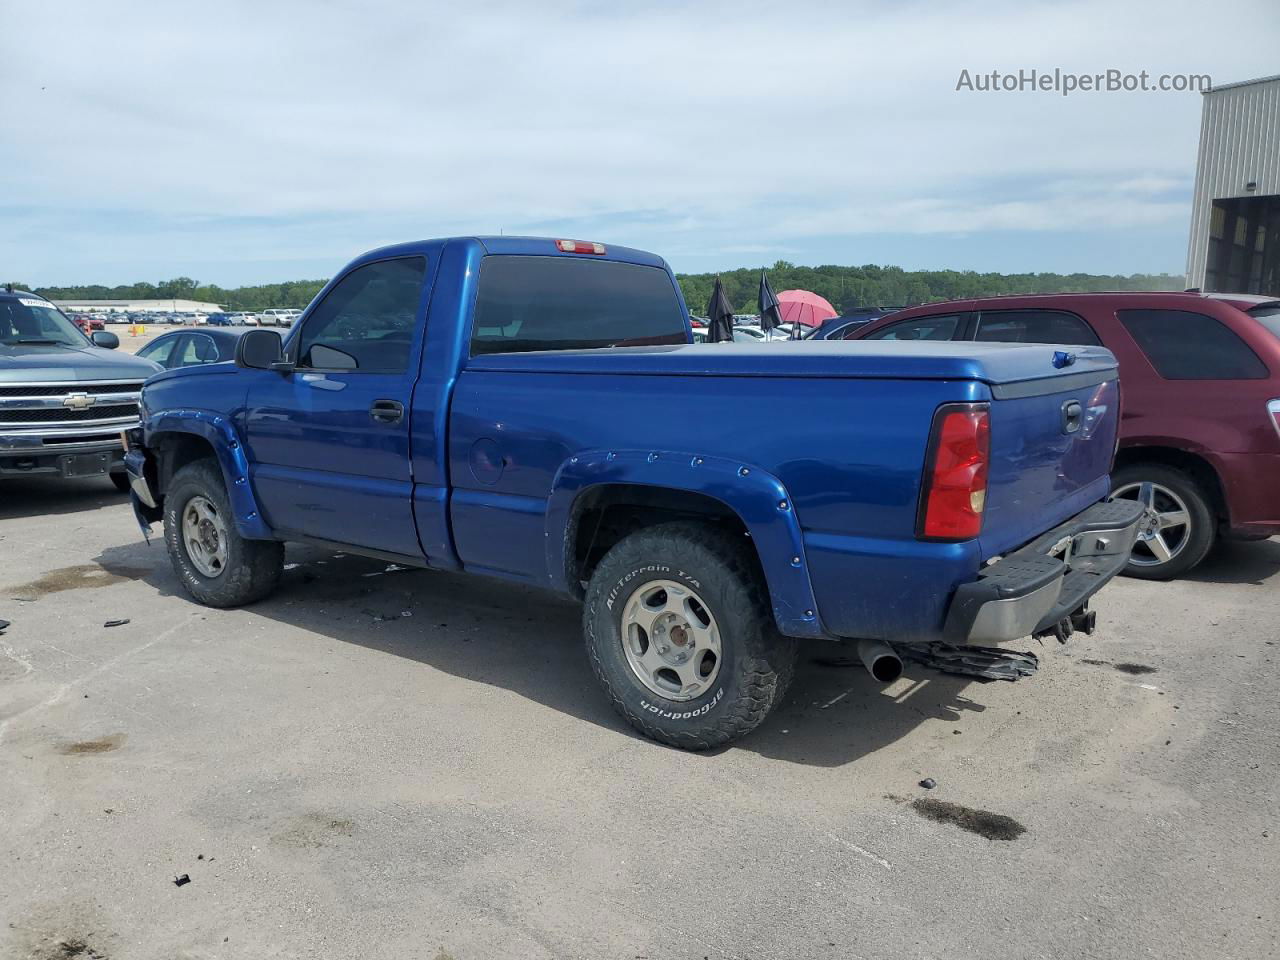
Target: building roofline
1239, 83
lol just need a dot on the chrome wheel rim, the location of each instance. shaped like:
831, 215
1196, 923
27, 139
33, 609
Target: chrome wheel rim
205, 536
1165, 528
671, 640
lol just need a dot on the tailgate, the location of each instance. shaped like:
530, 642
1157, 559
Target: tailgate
1052, 443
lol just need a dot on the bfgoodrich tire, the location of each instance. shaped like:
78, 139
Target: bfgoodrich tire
217, 566
680, 635
1178, 527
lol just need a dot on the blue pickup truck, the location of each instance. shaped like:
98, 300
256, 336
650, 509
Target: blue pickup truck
535, 410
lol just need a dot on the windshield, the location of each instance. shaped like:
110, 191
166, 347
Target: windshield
28, 320
1268, 314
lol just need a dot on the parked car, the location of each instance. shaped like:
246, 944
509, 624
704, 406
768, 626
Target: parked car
845, 326
181, 348
243, 319
276, 317
87, 323
218, 319
64, 397
521, 410
1200, 434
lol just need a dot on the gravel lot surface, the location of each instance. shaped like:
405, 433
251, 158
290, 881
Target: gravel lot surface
406, 764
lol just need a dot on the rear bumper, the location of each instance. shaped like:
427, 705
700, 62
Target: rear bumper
1036, 586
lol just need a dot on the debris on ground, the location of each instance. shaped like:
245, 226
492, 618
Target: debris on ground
3, 625
181, 880
928, 783
116, 623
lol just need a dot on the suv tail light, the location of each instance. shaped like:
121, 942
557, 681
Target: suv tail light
1273, 408
954, 493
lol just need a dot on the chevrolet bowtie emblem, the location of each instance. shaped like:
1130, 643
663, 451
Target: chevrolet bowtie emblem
79, 401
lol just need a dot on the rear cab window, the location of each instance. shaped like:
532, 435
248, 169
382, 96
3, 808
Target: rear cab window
1183, 345
1034, 326
534, 303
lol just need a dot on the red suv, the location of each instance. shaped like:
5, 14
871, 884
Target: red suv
1200, 378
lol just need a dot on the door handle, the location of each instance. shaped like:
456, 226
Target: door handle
387, 411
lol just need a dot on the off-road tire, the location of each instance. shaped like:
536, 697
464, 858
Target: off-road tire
253, 567
1203, 530
756, 663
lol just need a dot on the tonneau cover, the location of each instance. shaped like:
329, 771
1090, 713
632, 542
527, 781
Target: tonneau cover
995, 363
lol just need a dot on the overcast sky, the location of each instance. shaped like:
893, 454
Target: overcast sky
251, 142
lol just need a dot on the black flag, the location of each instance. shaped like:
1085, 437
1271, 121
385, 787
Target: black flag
770, 315
720, 316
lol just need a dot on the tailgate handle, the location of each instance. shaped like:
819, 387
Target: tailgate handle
1072, 415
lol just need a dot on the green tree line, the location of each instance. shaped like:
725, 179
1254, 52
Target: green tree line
846, 287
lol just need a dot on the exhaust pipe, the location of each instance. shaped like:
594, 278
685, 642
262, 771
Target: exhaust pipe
880, 660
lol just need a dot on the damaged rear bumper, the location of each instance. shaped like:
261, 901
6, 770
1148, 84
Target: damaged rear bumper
1032, 589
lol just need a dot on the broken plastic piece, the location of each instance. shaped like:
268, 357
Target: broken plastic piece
928, 783
181, 880
3, 625
116, 623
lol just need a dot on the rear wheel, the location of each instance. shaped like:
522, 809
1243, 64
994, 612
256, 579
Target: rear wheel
681, 637
1178, 527
218, 567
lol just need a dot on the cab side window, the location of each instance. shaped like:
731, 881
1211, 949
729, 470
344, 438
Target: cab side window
365, 324
941, 327
1034, 326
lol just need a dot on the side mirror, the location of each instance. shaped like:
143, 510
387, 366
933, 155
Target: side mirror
105, 339
262, 350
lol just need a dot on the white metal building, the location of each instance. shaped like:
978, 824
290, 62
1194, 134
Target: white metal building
137, 306
1235, 217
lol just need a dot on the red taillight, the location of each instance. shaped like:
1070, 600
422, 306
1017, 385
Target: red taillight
1273, 408
579, 246
955, 478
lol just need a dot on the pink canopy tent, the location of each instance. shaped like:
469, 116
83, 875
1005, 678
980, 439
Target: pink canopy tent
805, 308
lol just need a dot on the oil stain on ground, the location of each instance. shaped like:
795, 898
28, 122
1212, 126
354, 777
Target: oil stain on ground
993, 826
79, 577
102, 745
315, 830
71, 947
1133, 669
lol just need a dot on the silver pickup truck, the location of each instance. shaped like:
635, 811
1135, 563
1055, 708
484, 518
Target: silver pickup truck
65, 398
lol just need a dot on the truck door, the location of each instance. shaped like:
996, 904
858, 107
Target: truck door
330, 441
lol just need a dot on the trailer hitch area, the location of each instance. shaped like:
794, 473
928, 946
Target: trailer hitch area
1082, 619
983, 663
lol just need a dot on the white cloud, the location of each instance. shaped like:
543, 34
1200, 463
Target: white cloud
736, 125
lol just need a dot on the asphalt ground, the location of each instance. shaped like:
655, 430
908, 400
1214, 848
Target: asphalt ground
391, 763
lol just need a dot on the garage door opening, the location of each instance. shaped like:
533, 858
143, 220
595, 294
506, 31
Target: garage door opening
1244, 246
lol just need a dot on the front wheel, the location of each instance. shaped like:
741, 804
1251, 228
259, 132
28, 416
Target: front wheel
121, 480
1178, 526
681, 636
218, 567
